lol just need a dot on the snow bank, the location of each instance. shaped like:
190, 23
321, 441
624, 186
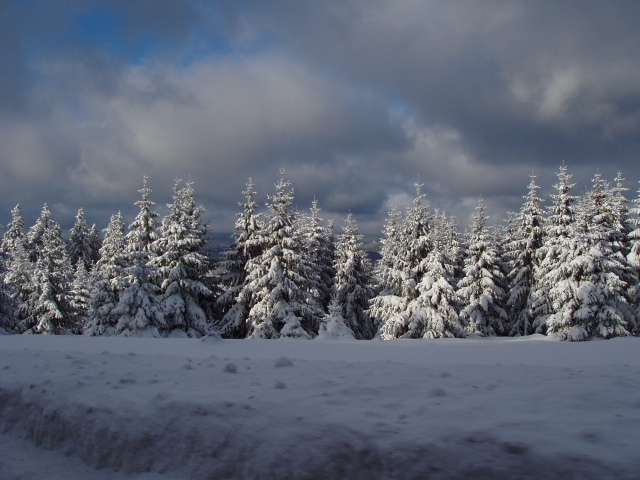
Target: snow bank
222, 409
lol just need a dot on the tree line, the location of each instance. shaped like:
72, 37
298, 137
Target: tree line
570, 270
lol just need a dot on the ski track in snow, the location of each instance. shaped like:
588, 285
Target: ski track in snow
152, 409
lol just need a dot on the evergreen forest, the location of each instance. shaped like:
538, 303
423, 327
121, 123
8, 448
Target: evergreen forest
567, 266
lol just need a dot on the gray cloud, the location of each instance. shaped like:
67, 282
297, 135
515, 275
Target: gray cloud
355, 99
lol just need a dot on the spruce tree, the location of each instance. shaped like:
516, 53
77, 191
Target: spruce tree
14, 234
387, 269
80, 295
47, 310
618, 204
139, 309
524, 253
276, 289
556, 246
181, 264
589, 296
143, 229
109, 280
96, 244
35, 240
393, 308
18, 279
320, 256
247, 245
14, 273
481, 289
80, 249
353, 282
333, 324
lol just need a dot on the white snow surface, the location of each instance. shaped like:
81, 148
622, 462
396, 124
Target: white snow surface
75, 407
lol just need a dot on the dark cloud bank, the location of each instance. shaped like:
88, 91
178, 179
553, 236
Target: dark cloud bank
357, 100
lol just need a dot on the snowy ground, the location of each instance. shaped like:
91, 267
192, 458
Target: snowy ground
158, 409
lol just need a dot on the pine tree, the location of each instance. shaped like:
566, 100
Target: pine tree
96, 244
8, 321
80, 295
109, 280
433, 314
387, 270
589, 297
634, 252
139, 309
353, 282
393, 307
12, 283
333, 324
556, 246
246, 246
276, 289
143, 229
80, 249
524, 253
15, 232
621, 221
320, 256
18, 277
47, 309
35, 241
181, 264
481, 289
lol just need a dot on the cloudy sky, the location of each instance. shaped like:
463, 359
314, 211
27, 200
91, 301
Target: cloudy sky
355, 99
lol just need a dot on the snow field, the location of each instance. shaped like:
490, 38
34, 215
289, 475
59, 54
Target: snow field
221, 409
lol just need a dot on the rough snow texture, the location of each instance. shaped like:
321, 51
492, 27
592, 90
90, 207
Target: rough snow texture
151, 409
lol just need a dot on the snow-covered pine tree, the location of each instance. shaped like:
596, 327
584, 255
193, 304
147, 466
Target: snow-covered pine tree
109, 280
556, 246
80, 242
15, 232
634, 234
590, 297
181, 264
18, 278
247, 244
276, 288
96, 244
446, 240
10, 292
524, 257
621, 222
333, 324
387, 269
433, 313
320, 256
8, 322
80, 295
481, 289
633, 257
139, 309
7, 319
445, 236
48, 309
353, 284
143, 229
35, 235
391, 309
